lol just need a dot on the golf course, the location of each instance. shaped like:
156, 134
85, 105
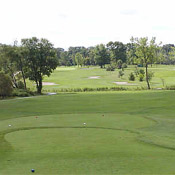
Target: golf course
112, 132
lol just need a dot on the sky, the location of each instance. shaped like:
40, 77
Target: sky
86, 23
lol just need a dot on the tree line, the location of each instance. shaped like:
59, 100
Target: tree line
111, 53
36, 58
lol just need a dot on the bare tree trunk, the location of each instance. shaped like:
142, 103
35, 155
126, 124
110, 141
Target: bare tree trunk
40, 86
13, 77
24, 80
147, 80
23, 76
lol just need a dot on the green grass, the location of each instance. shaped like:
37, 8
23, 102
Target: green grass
73, 78
125, 133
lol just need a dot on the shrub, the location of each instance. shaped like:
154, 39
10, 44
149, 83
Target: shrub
141, 74
6, 87
20, 85
170, 87
131, 76
20, 93
124, 65
141, 71
141, 77
110, 68
23, 93
120, 73
136, 71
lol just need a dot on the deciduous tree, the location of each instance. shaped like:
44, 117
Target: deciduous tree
146, 52
101, 55
41, 59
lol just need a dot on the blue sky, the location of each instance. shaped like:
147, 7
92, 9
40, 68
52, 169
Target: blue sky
86, 22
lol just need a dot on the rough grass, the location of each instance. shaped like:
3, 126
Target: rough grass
125, 133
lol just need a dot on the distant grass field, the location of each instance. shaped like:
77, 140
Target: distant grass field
73, 77
125, 133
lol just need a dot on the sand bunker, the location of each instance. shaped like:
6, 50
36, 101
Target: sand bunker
124, 83
49, 84
51, 93
94, 77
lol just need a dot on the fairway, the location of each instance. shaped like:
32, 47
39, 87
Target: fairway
73, 77
124, 133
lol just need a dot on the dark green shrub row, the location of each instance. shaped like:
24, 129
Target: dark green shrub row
170, 87
22, 93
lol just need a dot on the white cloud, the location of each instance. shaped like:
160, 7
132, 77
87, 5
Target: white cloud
86, 22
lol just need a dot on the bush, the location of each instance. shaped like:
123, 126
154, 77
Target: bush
20, 93
120, 73
6, 87
131, 76
141, 74
20, 85
141, 77
141, 71
136, 71
110, 68
170, 87
23, 93
124, 65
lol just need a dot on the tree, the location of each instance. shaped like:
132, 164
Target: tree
65, 59
5, 85
79, 59
21, 64
131, 52
146, 52
73, 50
8, 62
41, 59
91, 55
87, 61
117, 51
172, 55
101, 55
167, 51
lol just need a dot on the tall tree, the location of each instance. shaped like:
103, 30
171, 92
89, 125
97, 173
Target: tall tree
8, 62
172, 55
101, 55
79, 59
167, 51
131, 51
41, 59
73, 50
117, 51
146, 52
91, 55
65, 59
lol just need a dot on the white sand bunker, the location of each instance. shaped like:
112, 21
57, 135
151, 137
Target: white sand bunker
124, 83
94, 77
51, 93
49, 84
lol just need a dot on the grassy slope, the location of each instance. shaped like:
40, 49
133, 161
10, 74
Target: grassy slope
135, 135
